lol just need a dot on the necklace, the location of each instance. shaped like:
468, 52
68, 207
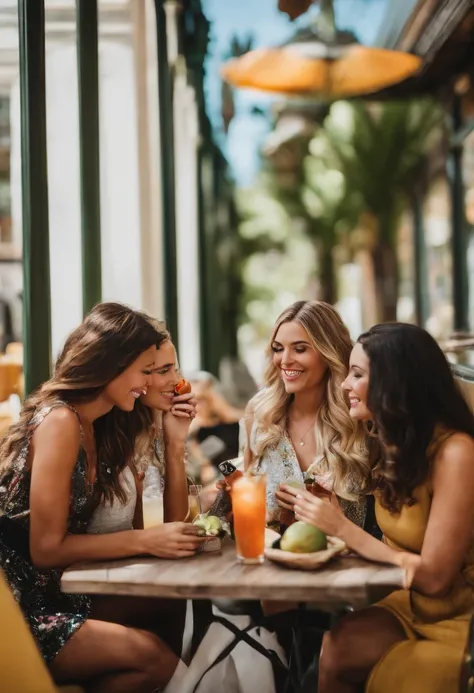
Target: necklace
302, 438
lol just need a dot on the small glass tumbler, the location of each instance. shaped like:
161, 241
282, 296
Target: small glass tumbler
194, 501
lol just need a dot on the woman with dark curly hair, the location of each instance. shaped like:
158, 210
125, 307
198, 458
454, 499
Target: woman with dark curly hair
400, 380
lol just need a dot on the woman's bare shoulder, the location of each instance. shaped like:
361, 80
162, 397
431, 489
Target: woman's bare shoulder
60, 422
455, 456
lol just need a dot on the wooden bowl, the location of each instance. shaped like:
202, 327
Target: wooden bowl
271, 537
307, 561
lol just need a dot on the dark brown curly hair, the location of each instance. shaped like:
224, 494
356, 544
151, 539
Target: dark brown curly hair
111, 337
412, 392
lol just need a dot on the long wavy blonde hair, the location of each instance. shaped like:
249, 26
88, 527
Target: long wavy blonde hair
341, 442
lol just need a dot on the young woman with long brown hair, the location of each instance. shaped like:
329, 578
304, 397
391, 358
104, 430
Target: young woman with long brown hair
74, 438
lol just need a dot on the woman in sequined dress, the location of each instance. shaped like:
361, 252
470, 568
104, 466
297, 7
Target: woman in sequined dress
72, 441
299, 424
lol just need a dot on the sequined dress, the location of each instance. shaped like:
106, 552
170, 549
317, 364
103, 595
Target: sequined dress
281, 465
51, 615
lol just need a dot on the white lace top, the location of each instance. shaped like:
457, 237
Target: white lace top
116, 517
281, 465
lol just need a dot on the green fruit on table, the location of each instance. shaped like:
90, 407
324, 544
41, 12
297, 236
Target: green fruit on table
214, 523
202, 528
208, 525
303, 538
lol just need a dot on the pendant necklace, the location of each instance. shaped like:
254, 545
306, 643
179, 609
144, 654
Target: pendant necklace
302, 441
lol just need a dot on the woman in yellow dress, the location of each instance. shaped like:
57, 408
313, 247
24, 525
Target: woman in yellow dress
414, 640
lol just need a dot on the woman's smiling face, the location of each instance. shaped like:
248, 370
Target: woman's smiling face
164, 378
127, 387
356, 385
301, 367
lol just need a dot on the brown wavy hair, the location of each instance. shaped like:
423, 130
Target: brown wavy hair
111, 337
341, 440
144, 453
413, 397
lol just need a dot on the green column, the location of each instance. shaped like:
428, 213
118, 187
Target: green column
168, 196
36, 281
88, 74
459, 235
203, 307
422, 301
211, 327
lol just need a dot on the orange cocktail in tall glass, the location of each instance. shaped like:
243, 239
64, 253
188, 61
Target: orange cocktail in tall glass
249, 508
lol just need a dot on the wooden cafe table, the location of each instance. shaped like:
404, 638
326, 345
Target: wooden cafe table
344, 582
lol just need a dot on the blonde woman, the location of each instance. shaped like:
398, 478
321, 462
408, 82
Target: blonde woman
299, 424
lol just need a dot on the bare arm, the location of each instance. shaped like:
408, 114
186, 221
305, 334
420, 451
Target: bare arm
450, 529
175, 498
175, 431
329, 517
368, 546
54, 451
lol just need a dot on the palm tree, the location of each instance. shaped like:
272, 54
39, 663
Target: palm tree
380, 150
315, 194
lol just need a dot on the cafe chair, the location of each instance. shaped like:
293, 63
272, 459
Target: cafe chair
21, 665
10, 377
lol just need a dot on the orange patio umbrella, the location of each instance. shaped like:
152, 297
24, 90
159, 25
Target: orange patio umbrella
304, 70
322, 62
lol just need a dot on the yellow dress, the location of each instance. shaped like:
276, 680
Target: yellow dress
430, 660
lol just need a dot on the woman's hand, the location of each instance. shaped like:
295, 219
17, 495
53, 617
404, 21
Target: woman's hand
409, 562
285, 500
327, 516
176, 422
172, 540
